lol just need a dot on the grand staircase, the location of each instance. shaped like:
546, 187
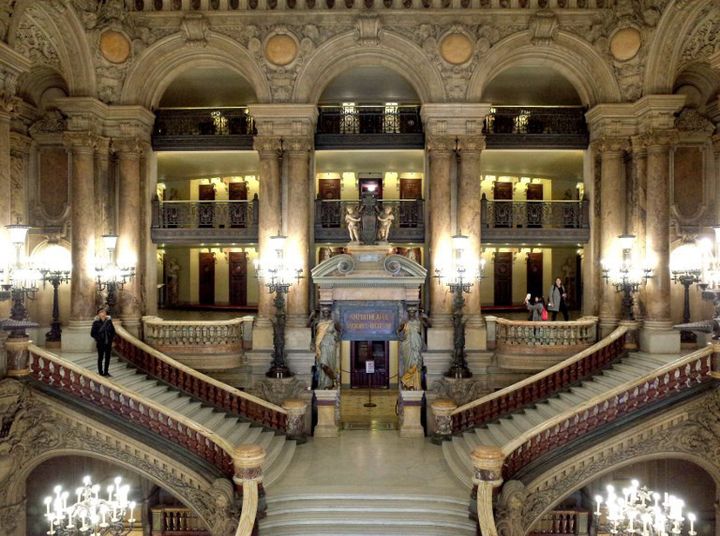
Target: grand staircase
233, 429
363, 514
645, 377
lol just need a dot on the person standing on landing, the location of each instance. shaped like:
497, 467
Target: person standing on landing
103, 332
556, 300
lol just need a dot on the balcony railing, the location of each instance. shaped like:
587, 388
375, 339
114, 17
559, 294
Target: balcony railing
562, 523
536, 127
408, 226
399, 127
219, 221
203, 128
176, 521
554, 222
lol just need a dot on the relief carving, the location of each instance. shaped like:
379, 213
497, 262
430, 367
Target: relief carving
33, 42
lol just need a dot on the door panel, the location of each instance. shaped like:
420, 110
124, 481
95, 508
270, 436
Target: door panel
329, 188
534, 205
503, 278
535, 274
206, 211
410, 189
371, 185
206, 264
237, 273
503, 192
237, 191
362, 351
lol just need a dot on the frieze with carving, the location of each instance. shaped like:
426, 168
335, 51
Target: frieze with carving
705, 37
32, 41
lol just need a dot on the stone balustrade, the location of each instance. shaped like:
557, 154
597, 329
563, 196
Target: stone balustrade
204, 345
562, 523
176, 520
533, 346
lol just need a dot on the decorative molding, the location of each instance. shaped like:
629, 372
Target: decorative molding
543, 27
195, 26
369, 30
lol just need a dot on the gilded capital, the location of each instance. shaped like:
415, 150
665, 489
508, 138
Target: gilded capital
660, 139
471, 144
127, 147
298, 144
440, 144
716, 143
638, 144
80, 140
612, 144
268, 146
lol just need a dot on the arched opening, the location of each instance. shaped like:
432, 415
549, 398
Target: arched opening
681, 478
41, 85
207, 87
531, 85
369, 85
699, 83
157, 510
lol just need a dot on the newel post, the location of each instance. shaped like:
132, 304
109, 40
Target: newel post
295, 419
18, 358
442, 411
487, 475
247, 461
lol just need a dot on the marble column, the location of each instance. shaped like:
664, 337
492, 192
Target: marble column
269, 150
468, 206
104, 192
297, 151
612, 218
76, 337
129, 229
657, 335
638, 210
441, 152
6, 106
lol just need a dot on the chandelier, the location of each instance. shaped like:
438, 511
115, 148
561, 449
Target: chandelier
91, 515
640, 511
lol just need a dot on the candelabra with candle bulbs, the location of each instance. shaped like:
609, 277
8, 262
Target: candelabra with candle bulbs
460, 277
279, 274
642, 512
686, 267
626, 274
91, 514
20, 284
55, 265
111, 277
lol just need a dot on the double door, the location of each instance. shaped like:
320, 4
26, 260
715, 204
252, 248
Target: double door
360, 353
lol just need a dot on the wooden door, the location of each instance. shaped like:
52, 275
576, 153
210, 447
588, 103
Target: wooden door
329, 188
534, 205
237, 191
374, 186
503, 207
206, 211
237, 272
503, 278
535, 274
330, 209
206, 264
410, 188
362, 351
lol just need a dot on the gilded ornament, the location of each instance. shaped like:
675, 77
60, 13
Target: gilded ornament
625, 44
114, 46
281, 49
456, 48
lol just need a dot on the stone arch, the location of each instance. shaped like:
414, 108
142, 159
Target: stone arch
689, 432
665, 50
33, 85
42, 428
67, 36
160, 64
571, 56
344, 52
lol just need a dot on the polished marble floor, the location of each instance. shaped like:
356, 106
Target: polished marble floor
369, 461
354, 415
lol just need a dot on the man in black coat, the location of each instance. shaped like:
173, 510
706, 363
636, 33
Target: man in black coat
103, 332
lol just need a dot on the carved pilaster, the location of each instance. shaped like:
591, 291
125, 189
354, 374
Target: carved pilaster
19, 159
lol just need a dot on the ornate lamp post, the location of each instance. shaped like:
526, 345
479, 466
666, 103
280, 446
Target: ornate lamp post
642, 512
460, 277
20, 283
55, 265
626, 275
686, 267
91, 514
111, 278
278, 274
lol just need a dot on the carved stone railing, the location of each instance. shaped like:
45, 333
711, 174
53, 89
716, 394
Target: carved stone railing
277, 5
530, 127
408, 226
220, 221
203, 128
541, 385
175, 521
527, 345
556, 222
102, 393
198, 385
684, 374
562, 523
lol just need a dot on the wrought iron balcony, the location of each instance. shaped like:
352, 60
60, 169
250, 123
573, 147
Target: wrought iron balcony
536, 127
369, 127
409, 224
187, 222
549, 222
203, 128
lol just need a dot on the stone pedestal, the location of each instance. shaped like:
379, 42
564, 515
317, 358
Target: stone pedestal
410, 424
76, 337
296, 419
631, 338
659, 338
442, 411
327, 401
16, 350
